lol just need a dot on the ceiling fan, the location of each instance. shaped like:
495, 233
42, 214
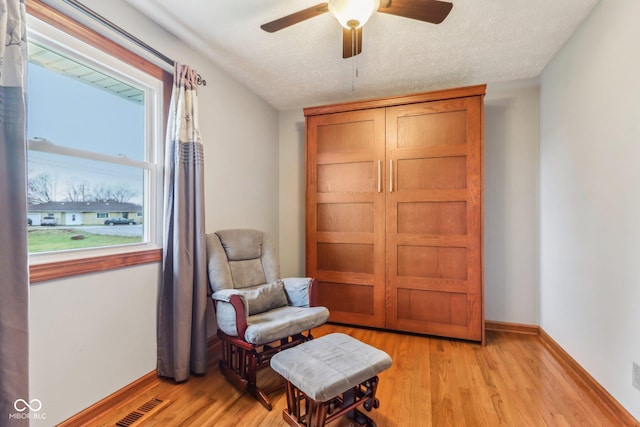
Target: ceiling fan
353, 14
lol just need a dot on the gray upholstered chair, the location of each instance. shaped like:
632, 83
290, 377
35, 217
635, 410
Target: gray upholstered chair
258, 312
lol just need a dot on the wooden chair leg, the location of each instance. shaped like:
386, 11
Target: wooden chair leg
235, 379
252, 378
317, 415
240, 364
230, 365
240, 368
293, 404
261, 397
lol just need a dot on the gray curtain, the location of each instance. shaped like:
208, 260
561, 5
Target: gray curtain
182, 335
14, 286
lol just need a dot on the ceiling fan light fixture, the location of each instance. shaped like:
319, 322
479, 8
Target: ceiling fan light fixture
353, 14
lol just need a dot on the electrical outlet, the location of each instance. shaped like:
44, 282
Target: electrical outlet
635, 378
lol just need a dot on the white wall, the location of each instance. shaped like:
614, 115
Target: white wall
512, 167
590, 197
90, 336
511, 199
82, 327
292, 193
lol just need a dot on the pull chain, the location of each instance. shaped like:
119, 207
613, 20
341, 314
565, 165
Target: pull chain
353, 53
354, 57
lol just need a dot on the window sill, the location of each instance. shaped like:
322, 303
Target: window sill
61, 269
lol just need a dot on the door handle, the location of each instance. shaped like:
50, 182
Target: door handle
379, 176
390, 176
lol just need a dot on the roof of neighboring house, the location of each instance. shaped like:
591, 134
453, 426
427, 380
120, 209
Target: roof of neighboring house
85, 207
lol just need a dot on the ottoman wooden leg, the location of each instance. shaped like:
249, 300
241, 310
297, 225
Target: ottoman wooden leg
317, 414
302, 411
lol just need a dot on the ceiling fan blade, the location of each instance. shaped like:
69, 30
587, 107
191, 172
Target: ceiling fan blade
433, 11
351, 46
294, 18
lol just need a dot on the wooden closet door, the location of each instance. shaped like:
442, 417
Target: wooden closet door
345, 214
433, 218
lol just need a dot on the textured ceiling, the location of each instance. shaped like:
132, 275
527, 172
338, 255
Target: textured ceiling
481, 41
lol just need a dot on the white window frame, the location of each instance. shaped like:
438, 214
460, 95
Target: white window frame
39, 31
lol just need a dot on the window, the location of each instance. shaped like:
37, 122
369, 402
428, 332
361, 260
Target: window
95, 131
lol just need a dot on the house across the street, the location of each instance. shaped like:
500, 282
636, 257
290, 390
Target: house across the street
84, 213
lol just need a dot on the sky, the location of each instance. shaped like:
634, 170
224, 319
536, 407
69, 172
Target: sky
74, 114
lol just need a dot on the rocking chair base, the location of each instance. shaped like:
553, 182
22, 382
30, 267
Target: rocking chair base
241, 362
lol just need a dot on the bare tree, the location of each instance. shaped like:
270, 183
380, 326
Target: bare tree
103, 193
39, 189
78, 191
123, 193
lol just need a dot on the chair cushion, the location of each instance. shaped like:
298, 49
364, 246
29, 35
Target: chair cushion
247, 273
272, 325
264, 297
297, 290
241, 244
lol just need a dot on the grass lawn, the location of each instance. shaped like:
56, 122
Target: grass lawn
41, 240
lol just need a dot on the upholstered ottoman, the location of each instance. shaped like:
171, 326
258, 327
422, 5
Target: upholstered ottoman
328, 377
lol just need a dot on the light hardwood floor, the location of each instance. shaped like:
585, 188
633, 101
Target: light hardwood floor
511, 381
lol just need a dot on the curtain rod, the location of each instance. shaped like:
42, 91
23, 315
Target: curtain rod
104, 21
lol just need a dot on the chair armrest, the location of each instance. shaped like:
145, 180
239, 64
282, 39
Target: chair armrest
301, 291
231, 313
223, 295
313, 293
241, 314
